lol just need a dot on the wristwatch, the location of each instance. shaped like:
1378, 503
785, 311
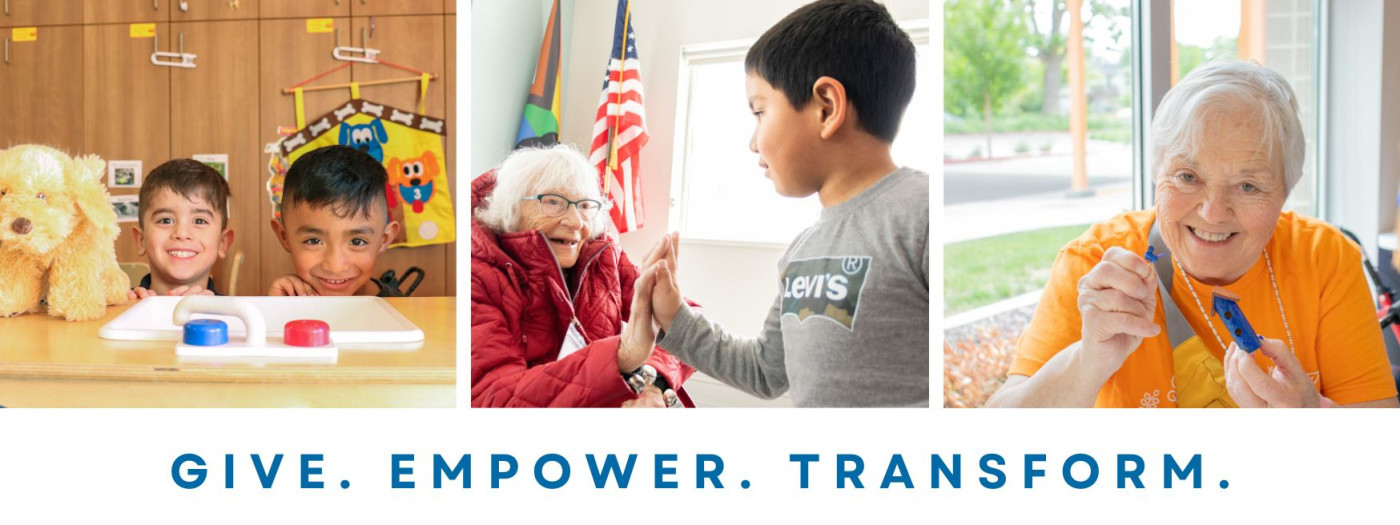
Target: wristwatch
639, 379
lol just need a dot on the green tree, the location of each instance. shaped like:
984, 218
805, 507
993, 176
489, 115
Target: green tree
1049, 42
982, 57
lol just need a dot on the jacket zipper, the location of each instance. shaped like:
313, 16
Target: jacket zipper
573, 314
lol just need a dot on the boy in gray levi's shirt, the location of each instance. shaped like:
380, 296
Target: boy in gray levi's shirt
850, 324
828, 85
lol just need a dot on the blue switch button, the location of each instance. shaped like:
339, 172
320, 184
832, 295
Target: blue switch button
206, 332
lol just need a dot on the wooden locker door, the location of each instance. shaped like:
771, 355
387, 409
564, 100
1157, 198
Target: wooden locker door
126, 11
450, 6
211, 112
40, 102
193, 10
415, 42
360, 8
126, 103
304, 8
22, 13
449, 81
288, 54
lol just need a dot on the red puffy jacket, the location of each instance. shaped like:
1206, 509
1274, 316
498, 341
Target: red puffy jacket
521, 312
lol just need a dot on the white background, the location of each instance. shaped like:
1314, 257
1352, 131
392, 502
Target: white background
1330, 466
1288, 466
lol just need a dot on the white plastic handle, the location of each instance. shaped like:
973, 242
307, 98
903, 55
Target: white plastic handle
206, 304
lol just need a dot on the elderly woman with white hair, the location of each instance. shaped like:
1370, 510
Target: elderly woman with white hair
551, 291
1117, 327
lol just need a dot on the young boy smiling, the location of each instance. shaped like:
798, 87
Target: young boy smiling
182, 229
335, 223
828, 86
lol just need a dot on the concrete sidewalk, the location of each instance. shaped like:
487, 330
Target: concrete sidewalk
975, 220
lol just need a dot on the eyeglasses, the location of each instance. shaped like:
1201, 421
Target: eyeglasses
554, 205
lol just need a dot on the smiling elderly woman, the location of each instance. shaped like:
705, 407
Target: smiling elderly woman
550, 291
1227, 148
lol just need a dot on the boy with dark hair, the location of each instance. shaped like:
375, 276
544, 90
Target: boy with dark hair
335, 223
182, 228
828, 86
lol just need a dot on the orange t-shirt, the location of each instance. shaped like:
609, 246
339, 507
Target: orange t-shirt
1320, 281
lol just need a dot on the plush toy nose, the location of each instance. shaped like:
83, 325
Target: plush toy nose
21, 226
415, 182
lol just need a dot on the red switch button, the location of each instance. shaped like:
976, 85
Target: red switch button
306, 333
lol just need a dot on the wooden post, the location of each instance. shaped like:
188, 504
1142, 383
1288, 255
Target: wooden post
1078, 100
1250, 44
1171, 37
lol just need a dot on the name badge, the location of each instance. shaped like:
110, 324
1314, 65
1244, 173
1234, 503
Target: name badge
573, 342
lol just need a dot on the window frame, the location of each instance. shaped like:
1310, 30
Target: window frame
712, 53
1151, 70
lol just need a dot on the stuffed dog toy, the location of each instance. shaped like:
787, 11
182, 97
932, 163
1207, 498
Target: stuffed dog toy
368, 138
57, 236
414, 179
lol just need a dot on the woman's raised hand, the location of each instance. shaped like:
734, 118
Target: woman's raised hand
1117, 301
639, 337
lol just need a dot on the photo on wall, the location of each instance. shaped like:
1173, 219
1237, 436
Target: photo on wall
124, 174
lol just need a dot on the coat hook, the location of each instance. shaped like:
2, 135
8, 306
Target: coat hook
155, 5
7, 49
182, 42
7, 7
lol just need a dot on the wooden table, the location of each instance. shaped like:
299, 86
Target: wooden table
49, 362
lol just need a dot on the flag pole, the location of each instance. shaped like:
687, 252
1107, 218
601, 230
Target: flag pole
617, 116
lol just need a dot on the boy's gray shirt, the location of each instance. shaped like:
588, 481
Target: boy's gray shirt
850, 324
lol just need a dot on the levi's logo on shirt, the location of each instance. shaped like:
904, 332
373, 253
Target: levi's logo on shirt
824, 287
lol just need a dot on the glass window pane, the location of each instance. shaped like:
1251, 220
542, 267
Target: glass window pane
1277, 34
724, 195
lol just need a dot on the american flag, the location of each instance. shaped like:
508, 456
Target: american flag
620, 130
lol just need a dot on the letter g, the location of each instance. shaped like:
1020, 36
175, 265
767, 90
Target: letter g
198, 473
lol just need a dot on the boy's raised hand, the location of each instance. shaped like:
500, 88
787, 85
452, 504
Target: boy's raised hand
666, 297
291, 286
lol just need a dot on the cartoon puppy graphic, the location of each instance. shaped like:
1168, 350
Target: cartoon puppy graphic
57, 236
365, 137
414, 178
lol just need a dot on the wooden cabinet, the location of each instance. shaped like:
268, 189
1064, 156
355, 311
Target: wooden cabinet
416, 42
289, 54
304, 8
212, 111
40, 103
126, 105
24, 13
193, 10
126, 11
359, 8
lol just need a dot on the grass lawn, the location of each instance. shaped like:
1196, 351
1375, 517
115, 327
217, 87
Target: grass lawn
983, 271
